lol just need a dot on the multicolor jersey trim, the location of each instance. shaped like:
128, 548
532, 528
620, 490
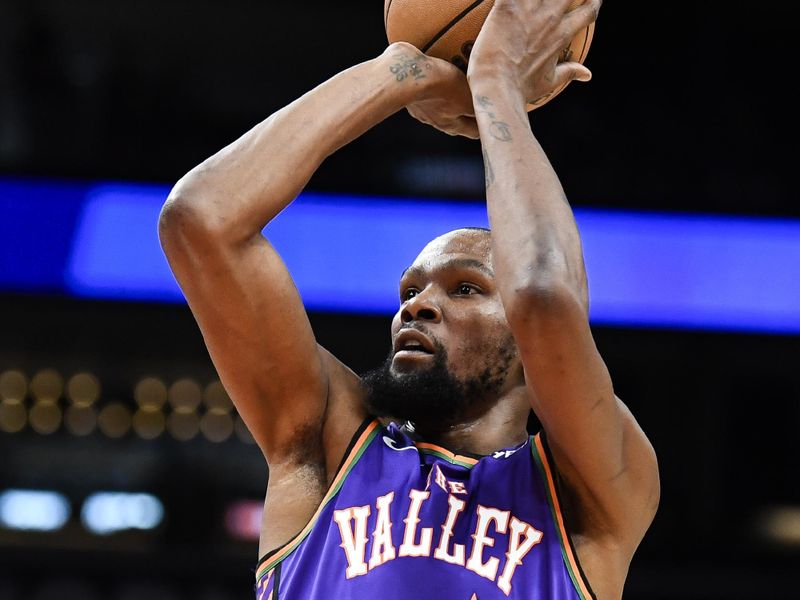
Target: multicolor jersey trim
360, 445
570, 561
263, 585
445, 454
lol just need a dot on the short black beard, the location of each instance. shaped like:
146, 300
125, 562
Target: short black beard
432, 396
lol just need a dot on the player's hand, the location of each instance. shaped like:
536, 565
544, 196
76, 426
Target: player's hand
521, 40
441, 96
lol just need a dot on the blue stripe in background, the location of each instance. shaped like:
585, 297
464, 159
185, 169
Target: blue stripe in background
37, 225
346, 254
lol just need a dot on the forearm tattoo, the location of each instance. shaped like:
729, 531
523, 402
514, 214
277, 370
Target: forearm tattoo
409, 66
485, 104
499, 130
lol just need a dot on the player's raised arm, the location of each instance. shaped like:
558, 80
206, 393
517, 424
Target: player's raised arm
603, 457
239, 290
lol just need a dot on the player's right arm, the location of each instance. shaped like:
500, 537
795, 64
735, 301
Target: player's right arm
248, 309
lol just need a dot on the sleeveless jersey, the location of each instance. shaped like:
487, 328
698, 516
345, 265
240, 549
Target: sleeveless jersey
408, 520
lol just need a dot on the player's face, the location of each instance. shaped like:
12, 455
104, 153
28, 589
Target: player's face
449, 302
450, 333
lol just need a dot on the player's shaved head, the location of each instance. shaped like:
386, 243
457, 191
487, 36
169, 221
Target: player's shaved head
462, 239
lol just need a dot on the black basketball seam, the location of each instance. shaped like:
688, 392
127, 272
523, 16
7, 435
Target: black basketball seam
450, 25
584, 50
386, 16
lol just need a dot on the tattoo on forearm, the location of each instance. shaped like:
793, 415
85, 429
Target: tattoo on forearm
499, 130
485, 103
407, 66
489, 171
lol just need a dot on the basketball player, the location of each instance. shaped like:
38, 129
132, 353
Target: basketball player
453, 500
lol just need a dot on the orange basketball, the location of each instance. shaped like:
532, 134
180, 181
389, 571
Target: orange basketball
447, 29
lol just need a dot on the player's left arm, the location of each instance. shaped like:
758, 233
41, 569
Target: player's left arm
601, 452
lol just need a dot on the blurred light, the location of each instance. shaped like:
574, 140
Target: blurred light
150, 392
13, 385
781, 524
185, 393
216, 397
13, 416
104, 513
646, 269
216, 425
47, 385
148, 423
242, 432
45, 417
243, 519
83, 389
183, 424
33, 510
114, 420
80, 420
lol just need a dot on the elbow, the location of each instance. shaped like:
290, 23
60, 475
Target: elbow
549, 282
177, 220
189, 217
654, 495
176, 208
544, 297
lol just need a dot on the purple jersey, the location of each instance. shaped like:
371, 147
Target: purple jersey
406, 519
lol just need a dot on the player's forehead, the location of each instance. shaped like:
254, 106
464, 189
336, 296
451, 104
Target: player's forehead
462, 247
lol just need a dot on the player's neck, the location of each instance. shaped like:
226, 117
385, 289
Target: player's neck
501, 426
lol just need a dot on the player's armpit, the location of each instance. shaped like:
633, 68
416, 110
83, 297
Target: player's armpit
601, 452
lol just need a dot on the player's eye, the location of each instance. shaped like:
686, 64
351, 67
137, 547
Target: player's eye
466, 289
408, 294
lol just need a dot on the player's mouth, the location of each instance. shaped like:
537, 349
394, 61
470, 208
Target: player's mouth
410, 344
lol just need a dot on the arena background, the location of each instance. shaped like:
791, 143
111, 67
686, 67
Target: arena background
124, 472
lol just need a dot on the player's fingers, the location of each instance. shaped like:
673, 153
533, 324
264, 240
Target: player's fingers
562, 6
581, 17
468, 127
460, 126
469, 109
419, 115
570, 71
460, 95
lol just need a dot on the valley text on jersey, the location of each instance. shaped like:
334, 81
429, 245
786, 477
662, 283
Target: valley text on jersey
413, 520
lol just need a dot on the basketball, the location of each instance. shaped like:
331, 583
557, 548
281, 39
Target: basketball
447, 29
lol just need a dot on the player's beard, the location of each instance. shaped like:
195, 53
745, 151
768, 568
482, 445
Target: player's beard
434, 396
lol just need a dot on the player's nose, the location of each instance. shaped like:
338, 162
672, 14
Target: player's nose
421, 307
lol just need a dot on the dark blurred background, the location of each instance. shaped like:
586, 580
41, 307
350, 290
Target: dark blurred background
690, 110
